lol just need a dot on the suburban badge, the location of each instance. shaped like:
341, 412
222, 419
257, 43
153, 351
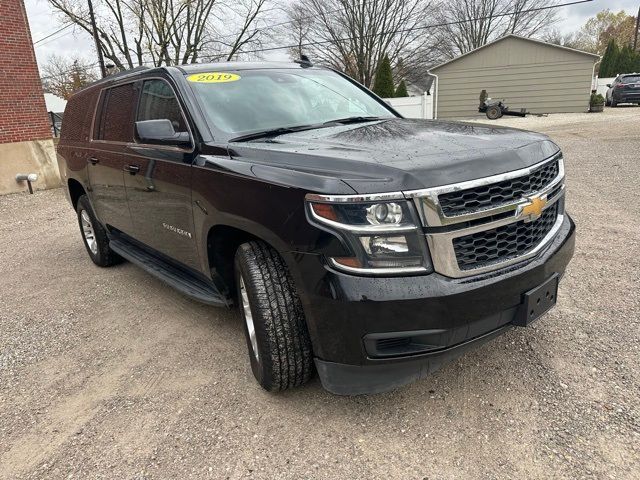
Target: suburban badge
177, 230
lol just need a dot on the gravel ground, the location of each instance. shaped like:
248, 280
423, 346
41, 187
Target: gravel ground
107, 373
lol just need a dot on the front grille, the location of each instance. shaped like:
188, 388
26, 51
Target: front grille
503, 243
475, 199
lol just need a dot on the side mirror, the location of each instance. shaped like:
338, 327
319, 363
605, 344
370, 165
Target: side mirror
161, 132
609, 85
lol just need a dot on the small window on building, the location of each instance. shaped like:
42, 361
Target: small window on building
158, 102
116, 121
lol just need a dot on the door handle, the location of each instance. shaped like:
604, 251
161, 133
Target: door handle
132, 169
92, 160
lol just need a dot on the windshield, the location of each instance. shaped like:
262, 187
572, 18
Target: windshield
248, 101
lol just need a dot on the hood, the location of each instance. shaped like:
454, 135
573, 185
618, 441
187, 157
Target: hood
396, 154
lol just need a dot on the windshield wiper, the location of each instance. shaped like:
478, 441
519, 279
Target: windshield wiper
357, 119
273, 132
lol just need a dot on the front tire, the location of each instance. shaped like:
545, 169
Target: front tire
94, 235
274, 324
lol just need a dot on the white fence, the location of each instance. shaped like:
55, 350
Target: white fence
413, 107
600, 85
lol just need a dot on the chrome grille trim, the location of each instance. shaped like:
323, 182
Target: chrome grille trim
445, 262
441, 242
503, 243
431, 213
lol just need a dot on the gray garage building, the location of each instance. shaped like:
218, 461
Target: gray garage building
526, 73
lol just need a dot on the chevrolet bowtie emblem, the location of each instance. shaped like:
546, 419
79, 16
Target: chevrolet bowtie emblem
533, 210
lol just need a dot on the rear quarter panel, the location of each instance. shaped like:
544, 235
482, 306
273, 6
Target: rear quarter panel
73, 150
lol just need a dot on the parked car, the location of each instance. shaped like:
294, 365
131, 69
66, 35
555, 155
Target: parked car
371, 246
624, 89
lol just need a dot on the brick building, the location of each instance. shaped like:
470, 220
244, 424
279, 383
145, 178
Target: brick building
26, 145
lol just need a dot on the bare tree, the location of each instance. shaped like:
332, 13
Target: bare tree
354, 35
168, 32
470, 24
297, 28
557, 37
530, 17
64, 76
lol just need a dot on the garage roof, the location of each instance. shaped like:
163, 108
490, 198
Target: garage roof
532, 40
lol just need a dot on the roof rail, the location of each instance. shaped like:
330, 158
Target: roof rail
122, 74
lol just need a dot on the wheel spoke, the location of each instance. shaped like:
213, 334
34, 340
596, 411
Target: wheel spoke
248, 318
87, 232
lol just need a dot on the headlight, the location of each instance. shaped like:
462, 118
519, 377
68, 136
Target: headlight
384, 236
381, 213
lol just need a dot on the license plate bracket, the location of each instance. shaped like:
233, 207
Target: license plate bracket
537, 301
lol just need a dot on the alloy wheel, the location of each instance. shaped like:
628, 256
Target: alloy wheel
88, 232
248, 318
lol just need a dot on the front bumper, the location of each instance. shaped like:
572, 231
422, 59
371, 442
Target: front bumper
346, 314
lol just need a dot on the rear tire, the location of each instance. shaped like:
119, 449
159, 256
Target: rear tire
614, 104
94, 235
274, 324
607, 102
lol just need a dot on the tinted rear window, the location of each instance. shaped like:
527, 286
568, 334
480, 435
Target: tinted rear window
74, 118
631, 79
116, 119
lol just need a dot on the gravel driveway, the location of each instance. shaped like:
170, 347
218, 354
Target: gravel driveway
108, 373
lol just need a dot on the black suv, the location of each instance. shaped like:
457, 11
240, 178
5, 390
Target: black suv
624, 89
371, 246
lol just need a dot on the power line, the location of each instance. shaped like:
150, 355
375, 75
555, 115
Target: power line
53, 33
275, 25
52, 39
403, 30
308, 44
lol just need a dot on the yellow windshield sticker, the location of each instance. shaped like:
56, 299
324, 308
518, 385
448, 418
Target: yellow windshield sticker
213, 77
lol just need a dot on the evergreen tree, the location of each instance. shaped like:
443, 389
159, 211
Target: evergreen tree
383, 85
610, 60
625, 61
628, 60
401, 91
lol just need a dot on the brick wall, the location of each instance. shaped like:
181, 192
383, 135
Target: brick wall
23, 114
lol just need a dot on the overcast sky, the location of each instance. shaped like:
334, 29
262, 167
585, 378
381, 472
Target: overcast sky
43, 21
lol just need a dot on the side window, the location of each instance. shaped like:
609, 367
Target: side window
116, 119
158, 102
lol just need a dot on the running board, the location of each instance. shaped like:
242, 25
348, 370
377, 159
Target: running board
175, 277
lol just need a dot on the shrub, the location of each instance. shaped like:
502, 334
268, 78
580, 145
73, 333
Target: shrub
596, 99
